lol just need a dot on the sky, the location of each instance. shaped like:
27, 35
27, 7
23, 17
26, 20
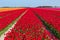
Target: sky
28, 3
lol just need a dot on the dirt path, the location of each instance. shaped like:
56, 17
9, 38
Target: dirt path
2, 36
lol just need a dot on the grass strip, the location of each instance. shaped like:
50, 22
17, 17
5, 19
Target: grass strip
48, 26
10, 25
5, 29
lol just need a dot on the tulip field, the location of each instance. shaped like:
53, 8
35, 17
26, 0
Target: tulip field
30, 24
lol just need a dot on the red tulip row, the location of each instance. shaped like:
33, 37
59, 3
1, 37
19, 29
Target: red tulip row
29, 27
8, 19
51, 16
7, 13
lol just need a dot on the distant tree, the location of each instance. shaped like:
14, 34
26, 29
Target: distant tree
44, 7
5, 7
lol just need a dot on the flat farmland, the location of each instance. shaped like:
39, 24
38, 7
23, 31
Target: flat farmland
30, 24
